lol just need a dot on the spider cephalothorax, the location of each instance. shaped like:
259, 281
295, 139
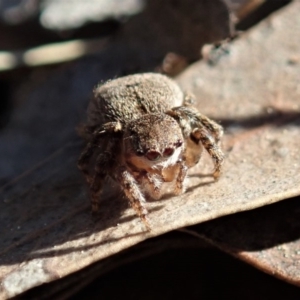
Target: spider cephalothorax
142, 138
155, 139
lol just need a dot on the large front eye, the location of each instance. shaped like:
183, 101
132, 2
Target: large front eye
168, 152
153, 155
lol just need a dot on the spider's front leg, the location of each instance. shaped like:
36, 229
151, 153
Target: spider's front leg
195, 116
86, 155
98, 133
199, 128
104, 164
104, 161
152, 183
211, 147
179, 188
95, 190
132, 193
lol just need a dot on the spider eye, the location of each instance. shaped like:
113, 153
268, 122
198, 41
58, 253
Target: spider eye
168, 152
178, 143
153, 155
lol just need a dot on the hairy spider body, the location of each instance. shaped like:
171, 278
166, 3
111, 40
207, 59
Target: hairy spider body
143, 133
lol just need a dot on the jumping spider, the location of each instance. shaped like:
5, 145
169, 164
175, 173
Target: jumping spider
140, 136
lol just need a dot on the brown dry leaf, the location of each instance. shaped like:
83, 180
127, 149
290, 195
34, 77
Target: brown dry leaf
268, 238
75, 282
264, 79
254, 91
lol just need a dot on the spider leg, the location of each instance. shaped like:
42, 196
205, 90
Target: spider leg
98, 133
177, 174
153, 183
187, 111
104, 165
179, 187
212, 127
87, 153
200, 128
95, 190
211, 147
101, 169
132, 193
